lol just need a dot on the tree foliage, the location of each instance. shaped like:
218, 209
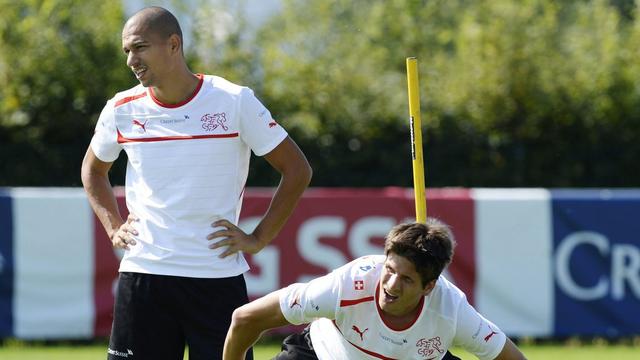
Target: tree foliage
526, 93
59, 62
513, 93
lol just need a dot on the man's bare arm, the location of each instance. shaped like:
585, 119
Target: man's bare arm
95, 179
291, 163
249, 322
510, 352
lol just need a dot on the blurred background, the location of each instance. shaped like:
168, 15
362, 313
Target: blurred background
514, 93
531, 131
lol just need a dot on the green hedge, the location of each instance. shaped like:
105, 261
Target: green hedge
514, 93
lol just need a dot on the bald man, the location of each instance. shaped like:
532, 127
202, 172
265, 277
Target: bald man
188, 139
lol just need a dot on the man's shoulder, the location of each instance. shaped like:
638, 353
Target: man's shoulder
363, 267
128, 95
447, 286
221, 84
446, 297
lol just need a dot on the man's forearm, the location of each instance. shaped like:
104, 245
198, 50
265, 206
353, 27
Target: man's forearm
239, 340
102, 200
249, 321
283, 203
296, 173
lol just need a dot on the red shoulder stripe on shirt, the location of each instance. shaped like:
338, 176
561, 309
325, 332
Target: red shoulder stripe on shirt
344, 303
122, 139
127, 99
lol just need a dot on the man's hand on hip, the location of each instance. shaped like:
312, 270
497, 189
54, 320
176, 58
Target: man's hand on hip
122, 238
234, 238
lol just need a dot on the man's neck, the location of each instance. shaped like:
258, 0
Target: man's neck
399, 321
178, 89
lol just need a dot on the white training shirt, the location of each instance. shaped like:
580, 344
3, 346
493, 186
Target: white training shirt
187, 167
346, 323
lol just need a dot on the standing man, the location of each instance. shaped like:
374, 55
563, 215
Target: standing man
188, 139
377, 307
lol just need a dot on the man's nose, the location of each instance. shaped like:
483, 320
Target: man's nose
132, 59
393, 282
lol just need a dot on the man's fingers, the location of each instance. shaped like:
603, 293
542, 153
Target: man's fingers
223, 222
221, 243
123, 238
130, 229
219, 233
227, 252
121, 242
232, 247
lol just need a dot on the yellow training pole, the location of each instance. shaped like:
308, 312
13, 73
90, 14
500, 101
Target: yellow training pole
416, 140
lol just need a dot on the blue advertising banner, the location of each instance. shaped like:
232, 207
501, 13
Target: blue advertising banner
6, 265
596, 235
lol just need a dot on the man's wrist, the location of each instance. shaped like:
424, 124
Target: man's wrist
261, 242
112, 233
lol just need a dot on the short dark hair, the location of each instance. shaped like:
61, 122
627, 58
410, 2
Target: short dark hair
428, 246
160, 21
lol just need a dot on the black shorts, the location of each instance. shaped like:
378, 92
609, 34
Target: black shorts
299, 347
155, 316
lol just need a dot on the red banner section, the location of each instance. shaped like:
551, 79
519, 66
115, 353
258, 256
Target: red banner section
106, 273
328, 228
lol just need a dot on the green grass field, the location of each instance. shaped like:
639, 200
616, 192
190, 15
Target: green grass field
264, 351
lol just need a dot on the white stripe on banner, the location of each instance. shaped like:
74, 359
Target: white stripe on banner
53, 247
514, 287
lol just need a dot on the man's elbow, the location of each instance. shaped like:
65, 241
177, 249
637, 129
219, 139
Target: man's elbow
88, 176
298, 175
306, 174
85, 175
241, 318
86, 170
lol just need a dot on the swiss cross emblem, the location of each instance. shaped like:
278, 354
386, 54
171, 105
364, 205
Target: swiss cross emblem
358, 284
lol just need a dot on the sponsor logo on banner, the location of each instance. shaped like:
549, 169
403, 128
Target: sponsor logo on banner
620, 279
328, 230
597, 264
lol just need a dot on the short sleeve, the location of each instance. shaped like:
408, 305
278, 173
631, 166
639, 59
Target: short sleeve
257, 128
301, 303
476, 334
105, 139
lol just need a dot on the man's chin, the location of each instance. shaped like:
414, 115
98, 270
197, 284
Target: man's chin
145, 83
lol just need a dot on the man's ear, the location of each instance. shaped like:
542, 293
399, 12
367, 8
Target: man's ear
430, 285
175, 43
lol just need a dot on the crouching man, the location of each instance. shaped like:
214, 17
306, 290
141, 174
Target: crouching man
392, 306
